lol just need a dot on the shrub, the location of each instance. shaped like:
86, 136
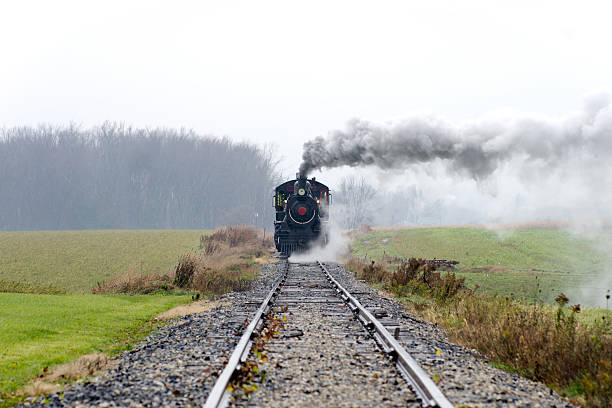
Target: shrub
374, 273
185, 270
448, 286
406, 271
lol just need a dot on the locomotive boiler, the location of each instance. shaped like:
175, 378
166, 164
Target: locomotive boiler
301, 214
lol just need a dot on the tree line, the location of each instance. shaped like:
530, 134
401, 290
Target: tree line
116, 176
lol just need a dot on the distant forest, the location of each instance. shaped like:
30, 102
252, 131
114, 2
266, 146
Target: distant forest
114, 176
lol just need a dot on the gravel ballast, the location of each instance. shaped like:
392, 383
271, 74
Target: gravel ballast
321, 357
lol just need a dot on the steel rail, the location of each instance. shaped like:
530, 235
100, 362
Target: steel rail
427, 391
219, 395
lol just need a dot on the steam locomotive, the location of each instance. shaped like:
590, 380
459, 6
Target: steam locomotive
301, 214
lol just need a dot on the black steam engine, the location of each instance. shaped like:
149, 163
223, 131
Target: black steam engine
301, 214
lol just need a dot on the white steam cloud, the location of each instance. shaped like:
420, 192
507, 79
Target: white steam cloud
336, 249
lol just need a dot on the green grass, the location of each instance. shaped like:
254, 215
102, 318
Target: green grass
45, 330
73, 261
533, 264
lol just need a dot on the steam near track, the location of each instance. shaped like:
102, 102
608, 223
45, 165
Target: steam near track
473, 149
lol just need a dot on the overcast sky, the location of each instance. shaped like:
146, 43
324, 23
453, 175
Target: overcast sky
287, 71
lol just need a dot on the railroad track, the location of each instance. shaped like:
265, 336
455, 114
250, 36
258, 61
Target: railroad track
331, 350
322, 355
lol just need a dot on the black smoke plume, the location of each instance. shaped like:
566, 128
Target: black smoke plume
474, 149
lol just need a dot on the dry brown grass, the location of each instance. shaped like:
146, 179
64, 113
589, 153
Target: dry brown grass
84, 366
135, 283
410, 276
190, 308
37, 388
551, 346
24, 287
48, 383
227, 261
234, 236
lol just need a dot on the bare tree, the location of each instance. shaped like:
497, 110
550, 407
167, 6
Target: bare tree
355, 198
399, 207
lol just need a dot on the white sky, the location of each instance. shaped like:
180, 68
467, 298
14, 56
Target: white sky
287, 71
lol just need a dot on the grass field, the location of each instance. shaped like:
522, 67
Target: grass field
533, 264
45, 330
73, 261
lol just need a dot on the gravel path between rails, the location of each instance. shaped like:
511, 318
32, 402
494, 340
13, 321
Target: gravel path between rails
179, 365
323, 356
